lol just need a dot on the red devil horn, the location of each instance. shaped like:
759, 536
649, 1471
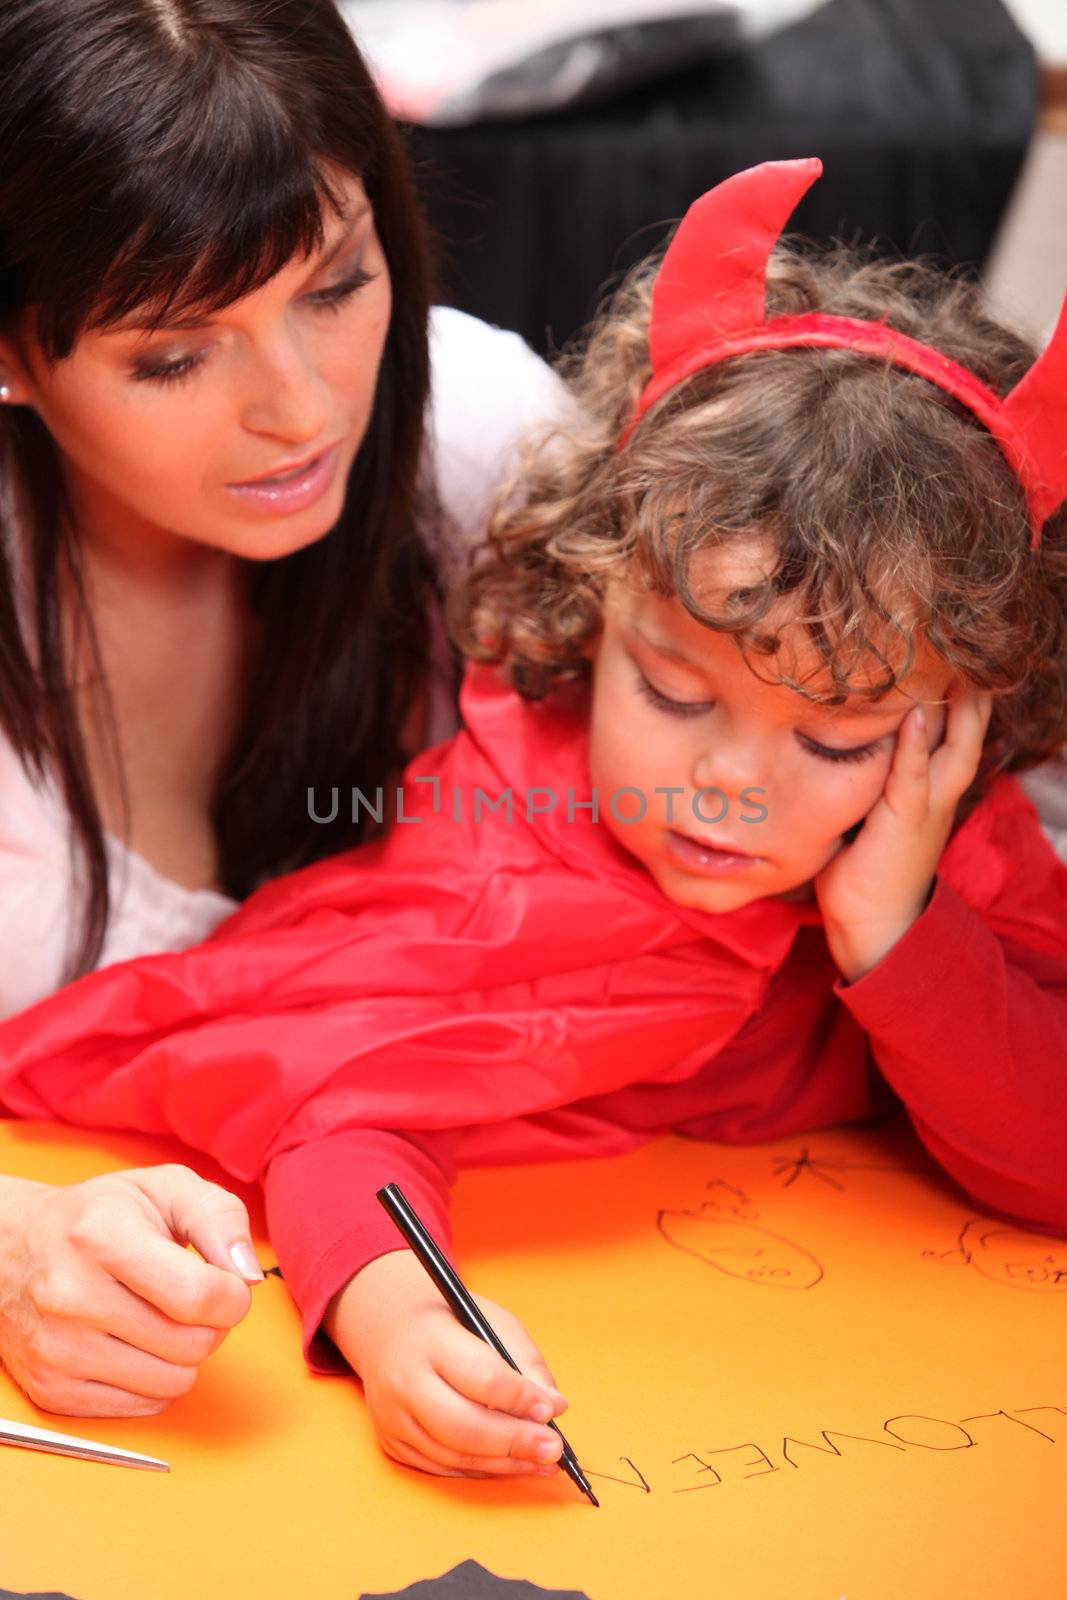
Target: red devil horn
1037, 411
713, 280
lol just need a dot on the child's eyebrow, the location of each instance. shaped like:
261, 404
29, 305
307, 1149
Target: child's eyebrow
863, 710
662, 648
868, 709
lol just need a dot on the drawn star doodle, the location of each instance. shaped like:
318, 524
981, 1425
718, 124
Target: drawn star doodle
789, 1168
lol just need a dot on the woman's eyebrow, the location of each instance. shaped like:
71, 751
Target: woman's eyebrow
192, 322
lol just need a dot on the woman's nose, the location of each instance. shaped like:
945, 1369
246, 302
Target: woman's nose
288, 397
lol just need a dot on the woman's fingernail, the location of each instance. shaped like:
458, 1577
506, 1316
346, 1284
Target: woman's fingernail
540, 1411
244, 1259
550, 1450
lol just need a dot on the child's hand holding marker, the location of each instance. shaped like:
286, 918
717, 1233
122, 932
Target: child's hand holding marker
875, 888
441, 1399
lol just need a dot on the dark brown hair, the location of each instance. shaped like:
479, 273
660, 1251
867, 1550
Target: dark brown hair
892, 515
173, 155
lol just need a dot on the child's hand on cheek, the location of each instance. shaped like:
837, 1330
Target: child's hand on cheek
439, 1397
872, 890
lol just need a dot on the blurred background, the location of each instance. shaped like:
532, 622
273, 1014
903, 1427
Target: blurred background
557, 140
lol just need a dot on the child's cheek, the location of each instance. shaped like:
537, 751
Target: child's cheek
848, 797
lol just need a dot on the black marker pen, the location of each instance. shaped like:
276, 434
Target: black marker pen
464, 1307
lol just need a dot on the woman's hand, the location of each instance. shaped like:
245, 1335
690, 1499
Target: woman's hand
872, 890
441, 1399
103, 1312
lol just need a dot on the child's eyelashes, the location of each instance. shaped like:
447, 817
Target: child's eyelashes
699, 708
825, 752
152, 370
673, 708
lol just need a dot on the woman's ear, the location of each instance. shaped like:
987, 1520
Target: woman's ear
16, 385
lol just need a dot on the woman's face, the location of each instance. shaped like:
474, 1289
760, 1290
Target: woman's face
236, 433
676, 710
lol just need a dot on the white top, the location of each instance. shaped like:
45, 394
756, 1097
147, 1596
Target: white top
487, 388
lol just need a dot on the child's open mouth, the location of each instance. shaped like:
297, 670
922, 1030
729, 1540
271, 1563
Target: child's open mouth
699, 856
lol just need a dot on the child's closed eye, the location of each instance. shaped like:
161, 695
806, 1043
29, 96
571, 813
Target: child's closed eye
699, 708
825, 752
673, 708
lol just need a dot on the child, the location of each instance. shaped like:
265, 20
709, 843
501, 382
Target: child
741, 856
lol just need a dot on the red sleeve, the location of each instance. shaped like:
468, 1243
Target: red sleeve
325, 1223
970, 1028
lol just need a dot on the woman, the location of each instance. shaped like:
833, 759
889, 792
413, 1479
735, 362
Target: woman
237, 465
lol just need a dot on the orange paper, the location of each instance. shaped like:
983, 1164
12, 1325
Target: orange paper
796, 1372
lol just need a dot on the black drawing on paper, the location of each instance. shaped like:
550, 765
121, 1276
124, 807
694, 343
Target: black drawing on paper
469, 1581
1008, 1255
789, 1168
725, 1233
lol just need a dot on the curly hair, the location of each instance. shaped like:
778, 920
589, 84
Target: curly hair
892, 512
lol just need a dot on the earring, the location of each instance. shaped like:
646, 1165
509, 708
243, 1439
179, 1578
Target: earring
5, 392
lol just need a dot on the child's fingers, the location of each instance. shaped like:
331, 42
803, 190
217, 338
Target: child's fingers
409, 1455
475, 1370
955, 762
468, 1431
524, 1352
920, 778
907, 783
464, 1437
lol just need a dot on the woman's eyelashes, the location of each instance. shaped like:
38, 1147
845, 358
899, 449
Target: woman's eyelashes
699, 708
154, 370
333, 298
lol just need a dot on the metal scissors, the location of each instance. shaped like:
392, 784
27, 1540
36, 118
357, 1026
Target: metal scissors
69, 1444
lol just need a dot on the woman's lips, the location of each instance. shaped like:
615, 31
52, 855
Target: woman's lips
697, 856
295, 490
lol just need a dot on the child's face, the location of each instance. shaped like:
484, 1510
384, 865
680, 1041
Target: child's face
675, 706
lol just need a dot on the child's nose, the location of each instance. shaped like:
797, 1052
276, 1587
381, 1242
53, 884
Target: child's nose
730, 763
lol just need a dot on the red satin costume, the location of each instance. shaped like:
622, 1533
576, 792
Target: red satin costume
468, 992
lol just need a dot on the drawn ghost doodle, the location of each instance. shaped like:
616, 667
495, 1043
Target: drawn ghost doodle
469, 1581
1010, 1256
725, 1233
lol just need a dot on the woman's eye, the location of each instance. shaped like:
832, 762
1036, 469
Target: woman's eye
673, 708
165, 371
333, 299
825, 752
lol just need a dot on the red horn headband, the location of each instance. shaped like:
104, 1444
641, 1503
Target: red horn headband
709, 303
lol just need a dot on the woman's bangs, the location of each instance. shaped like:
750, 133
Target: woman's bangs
215, 232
